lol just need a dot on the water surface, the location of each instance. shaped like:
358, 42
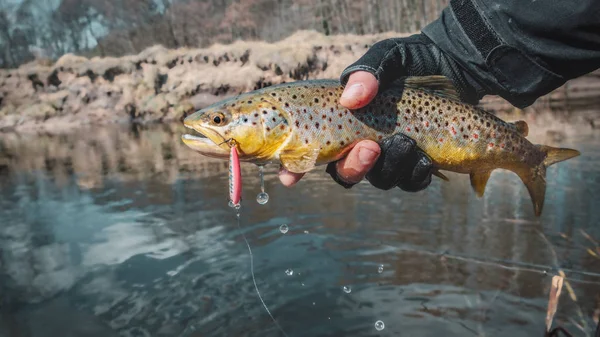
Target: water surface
125, 232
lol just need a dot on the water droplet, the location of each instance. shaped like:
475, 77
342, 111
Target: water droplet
305, 232
313, 303
262, 198
289, 272
303, 284
283, 228
379, 325
347, 289
380, 269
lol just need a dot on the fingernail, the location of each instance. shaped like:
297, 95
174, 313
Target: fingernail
353, 91
366, 156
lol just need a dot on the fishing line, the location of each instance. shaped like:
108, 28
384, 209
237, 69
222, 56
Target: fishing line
235, 198
253, 277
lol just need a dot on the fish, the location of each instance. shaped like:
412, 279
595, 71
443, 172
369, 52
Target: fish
301, 125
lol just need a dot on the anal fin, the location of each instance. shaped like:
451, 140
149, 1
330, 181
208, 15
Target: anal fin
440, 175
479, 180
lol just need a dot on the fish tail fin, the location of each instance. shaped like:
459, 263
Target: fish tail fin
534, 178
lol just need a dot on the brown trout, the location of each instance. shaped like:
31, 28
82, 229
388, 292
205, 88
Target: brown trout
301, 125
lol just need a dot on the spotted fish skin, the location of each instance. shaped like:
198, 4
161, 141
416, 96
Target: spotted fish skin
302, 125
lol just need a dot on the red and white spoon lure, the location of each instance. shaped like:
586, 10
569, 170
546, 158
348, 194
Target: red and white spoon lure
235, 178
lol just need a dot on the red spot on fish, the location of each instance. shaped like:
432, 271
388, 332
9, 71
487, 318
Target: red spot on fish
408, 129
491, 144
426, 124
441, 140
380, 137
502, 145
476, 136
453, 130
282, 127
358, 132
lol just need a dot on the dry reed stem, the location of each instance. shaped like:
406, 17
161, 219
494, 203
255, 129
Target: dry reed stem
555, 290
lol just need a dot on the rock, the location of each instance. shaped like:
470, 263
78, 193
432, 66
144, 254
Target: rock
56, 100
180, 111
40, 111
155, 108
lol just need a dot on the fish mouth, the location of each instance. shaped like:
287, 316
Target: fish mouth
206, 142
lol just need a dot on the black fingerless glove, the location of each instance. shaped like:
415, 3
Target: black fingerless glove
416, 55
400, 164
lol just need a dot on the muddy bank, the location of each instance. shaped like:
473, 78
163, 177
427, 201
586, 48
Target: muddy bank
161, 85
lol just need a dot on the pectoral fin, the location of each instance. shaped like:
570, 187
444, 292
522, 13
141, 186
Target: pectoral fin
479, 180
299, 160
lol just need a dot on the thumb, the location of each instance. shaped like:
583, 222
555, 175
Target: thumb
361, 88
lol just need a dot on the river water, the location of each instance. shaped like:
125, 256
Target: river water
119, 231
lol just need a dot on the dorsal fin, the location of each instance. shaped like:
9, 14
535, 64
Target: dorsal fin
439, 85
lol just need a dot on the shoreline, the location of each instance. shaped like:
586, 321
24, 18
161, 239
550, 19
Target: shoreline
160, 85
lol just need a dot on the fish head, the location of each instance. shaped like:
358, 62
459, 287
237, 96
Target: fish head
256, 123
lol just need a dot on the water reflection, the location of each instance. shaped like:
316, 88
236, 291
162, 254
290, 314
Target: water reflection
119, 232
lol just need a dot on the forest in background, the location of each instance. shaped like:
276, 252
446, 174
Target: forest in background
48, 29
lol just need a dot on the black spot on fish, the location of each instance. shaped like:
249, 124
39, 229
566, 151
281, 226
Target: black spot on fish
316, 100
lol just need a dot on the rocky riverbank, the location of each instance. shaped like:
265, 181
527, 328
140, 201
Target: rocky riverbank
161, 85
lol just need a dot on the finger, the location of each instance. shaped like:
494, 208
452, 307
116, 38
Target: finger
289, 179
358, 162
360, 90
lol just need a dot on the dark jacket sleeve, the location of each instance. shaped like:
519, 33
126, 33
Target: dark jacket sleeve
520, 50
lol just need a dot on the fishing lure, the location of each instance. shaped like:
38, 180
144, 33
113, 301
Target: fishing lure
235, 177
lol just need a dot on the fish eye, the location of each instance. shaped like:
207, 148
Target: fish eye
218, 118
